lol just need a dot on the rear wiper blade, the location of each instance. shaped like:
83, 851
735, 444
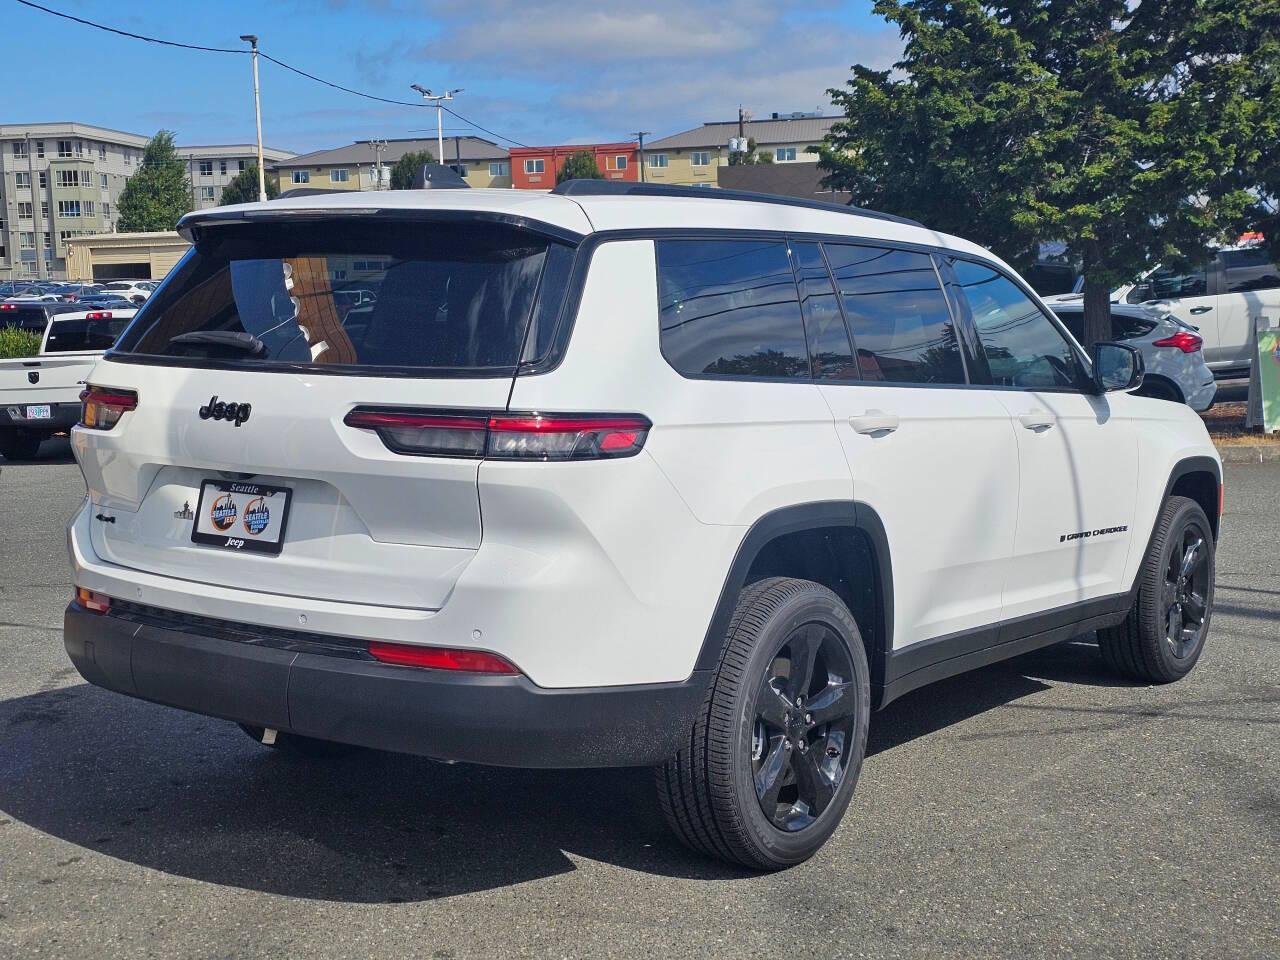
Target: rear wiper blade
231, 339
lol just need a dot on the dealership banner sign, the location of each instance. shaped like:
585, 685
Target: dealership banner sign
1268, 335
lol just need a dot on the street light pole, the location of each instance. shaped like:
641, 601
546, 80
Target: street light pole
257, 111
439, 99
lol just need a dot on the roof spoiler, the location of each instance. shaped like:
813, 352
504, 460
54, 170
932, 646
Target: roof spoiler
620, 188
436, 176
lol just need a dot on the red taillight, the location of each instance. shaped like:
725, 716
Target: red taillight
1184, 341
439, 658
8, 306
506, 436
97, 602
98, 315
101, 408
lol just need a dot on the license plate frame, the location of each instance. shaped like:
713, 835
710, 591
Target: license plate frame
39, 411
238, 533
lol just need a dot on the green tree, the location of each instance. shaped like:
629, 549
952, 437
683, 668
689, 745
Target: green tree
244, 188
159, 193
580, 166
16, 342
1134, 133
749, 157
407, 167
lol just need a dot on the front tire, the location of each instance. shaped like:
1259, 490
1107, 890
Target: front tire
774, 755
20, 445
1164, 634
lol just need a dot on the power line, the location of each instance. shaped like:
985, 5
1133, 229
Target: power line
279, 63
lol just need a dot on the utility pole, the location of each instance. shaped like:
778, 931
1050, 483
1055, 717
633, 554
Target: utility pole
379, 147
250, 39
439, 99
457, 154
640, 135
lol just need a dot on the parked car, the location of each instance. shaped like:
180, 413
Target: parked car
72, 292
747, 468
1171, 350
1222, 299
14, 287
40, 395
135, 290
38, 291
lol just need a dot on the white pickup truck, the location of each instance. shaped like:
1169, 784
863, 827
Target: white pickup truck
40, 395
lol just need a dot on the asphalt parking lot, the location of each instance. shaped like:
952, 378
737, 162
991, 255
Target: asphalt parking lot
1038, 808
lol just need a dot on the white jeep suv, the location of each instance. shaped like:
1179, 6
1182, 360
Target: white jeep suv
617, 475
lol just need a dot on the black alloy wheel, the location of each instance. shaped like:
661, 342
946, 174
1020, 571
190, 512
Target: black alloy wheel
804, 719
1186, 591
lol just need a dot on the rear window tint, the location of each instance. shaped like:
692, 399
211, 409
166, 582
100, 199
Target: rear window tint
729, 309
1123, 327
447, 296
67, 336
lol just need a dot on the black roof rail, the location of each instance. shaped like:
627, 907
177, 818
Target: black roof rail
618, 188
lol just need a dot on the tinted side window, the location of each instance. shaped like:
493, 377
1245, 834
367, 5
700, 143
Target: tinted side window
1123, 326
1249, 270
1022, 346
729, 308
829, 349
1166, 283
901, 326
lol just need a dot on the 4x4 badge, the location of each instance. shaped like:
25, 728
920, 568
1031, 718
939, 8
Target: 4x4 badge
185, 513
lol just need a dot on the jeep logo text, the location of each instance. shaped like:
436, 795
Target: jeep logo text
216, 409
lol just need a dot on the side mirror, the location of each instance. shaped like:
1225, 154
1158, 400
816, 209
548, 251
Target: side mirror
1117, 366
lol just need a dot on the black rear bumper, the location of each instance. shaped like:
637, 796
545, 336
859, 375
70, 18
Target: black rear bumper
64, 417
278, 683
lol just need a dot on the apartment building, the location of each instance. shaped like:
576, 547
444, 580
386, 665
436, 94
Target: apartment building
211, 167
535, 168
63, 180
354, 167
694, 157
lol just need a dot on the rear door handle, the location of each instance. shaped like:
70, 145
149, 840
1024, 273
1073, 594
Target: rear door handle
875, 421
1201, 309
1037, 420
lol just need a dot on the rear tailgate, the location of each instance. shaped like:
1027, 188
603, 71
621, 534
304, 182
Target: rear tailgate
44, 379
245, 365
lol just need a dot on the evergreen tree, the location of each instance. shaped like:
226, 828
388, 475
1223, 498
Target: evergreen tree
159, 193
580, 166
244, 188
407, 167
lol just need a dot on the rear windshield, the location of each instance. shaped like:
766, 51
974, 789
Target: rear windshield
456, 297
25, 317
70, 335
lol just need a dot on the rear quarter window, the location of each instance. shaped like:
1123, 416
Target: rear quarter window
729, 308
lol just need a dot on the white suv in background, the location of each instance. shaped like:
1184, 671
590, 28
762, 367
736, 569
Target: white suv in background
617, 475
1223, 300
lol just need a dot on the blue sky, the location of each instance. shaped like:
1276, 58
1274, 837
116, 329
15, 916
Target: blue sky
536, 71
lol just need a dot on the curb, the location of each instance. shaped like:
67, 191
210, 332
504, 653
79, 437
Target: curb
1249, 453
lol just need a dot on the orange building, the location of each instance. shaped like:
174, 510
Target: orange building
535, 168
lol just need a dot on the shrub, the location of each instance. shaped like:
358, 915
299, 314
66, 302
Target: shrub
16, 342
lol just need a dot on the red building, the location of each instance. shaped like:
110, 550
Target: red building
535, 168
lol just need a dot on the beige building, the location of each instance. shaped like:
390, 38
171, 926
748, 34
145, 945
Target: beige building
353, 167
211, 167
124, 256
694, 158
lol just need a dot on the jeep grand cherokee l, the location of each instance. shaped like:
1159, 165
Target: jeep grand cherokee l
617, 475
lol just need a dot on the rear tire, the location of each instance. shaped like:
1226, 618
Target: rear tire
299, 746
1164, 633
773, 757
20, 444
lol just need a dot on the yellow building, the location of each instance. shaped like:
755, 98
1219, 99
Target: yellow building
124, 256
355, 167
693, 158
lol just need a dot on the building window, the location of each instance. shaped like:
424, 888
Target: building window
22, 180
48, 242
26, 241
239, 166
88, 208
102, 151
102, 180
106, 209
40, 149
700, 158
342, 175
615, 163
79, 148
128, 156
658, 161
368, 266
206, 168
20, 148
222, 168
64, 148
44, 179
535, 166
65, 235
301, 176
704, 185
499, 168
339, 274
784, 154
44, 209
206, 193
24, 209
66, 178
68, 208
